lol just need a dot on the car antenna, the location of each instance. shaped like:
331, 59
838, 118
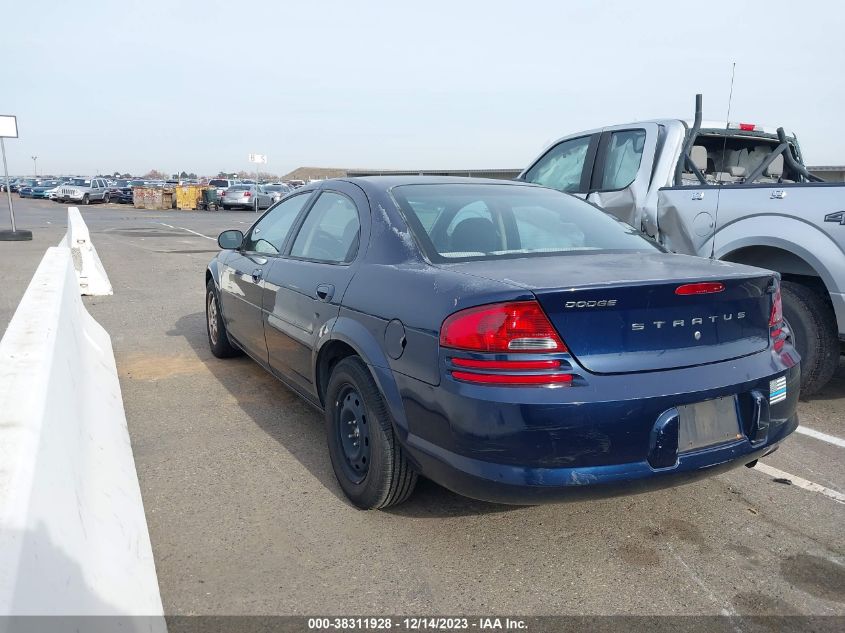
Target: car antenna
724, 149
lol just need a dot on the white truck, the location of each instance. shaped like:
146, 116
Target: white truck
737, 192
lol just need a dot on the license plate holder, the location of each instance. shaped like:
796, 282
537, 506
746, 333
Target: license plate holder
708, 423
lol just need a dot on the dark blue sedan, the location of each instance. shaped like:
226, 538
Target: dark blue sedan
510, 342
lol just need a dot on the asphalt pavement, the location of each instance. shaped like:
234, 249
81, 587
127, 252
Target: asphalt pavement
245, 515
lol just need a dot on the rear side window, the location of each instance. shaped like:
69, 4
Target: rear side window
622, 159
562, 166
269, 234
498, 221
330, 231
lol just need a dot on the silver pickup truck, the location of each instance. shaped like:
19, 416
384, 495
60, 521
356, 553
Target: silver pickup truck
737, 192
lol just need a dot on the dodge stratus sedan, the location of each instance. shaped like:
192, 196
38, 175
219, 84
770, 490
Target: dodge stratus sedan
511, 342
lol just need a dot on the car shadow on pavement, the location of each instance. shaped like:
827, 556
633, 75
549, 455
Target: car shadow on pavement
835, 389
298, 427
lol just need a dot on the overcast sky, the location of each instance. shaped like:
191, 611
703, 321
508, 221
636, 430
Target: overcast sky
198, 85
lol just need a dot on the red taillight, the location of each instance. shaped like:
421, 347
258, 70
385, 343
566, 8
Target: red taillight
515, 365
247, 194
518, 326
699, 289
222, 193
748, 127
513, 379
776, 318
776, 321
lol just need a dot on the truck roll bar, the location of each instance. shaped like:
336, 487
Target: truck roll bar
686, 161
794, 164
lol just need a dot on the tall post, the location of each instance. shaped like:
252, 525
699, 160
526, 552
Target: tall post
8, 184
14, 235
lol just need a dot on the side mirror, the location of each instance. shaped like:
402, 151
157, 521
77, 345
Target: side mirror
230, 240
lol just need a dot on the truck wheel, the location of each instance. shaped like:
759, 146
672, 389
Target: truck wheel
367, 459
814, 334
218, 339
106, 199
86, 199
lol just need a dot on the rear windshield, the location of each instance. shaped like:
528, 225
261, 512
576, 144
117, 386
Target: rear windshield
240, 187
472, 221
218, 183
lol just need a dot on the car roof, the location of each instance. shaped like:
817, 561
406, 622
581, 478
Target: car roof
385, 183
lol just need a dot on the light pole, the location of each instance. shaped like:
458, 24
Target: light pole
35, 165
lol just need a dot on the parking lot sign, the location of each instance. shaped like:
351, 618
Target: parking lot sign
9, 129
260, 159
8, 126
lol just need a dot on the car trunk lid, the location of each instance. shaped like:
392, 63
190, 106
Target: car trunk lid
623, 313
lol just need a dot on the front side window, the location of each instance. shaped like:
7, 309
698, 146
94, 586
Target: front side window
269, 234
496, 221
330, 232
562, 166
623, 158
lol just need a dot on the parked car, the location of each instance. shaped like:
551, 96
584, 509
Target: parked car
508, 341
239, 196
85, 191
25, 185
740, 194
43, 189
120, 190
54, 193
268, 195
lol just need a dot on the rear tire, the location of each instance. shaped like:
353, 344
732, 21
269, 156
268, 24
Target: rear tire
368, 461
814, 334
218, 338
106, 199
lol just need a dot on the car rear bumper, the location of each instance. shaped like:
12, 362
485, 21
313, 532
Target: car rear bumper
516, 445
236, 202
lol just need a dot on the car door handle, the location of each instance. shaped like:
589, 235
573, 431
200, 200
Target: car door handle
256, 275
778, 194
325, 292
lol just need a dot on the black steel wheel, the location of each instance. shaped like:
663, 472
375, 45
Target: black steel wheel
368, 460
353, 433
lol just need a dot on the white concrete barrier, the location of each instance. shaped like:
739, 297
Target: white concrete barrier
90, 274
73, 534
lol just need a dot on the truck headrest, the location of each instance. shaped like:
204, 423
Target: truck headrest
698, 154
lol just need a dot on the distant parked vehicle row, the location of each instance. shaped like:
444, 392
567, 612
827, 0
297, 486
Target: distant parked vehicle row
83, 190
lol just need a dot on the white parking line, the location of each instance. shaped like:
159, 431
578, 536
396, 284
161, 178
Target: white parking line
799, 481
824, 437
182, 228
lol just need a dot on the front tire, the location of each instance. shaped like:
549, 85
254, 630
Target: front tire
86, 200
218, 338
814, 333
368, 461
